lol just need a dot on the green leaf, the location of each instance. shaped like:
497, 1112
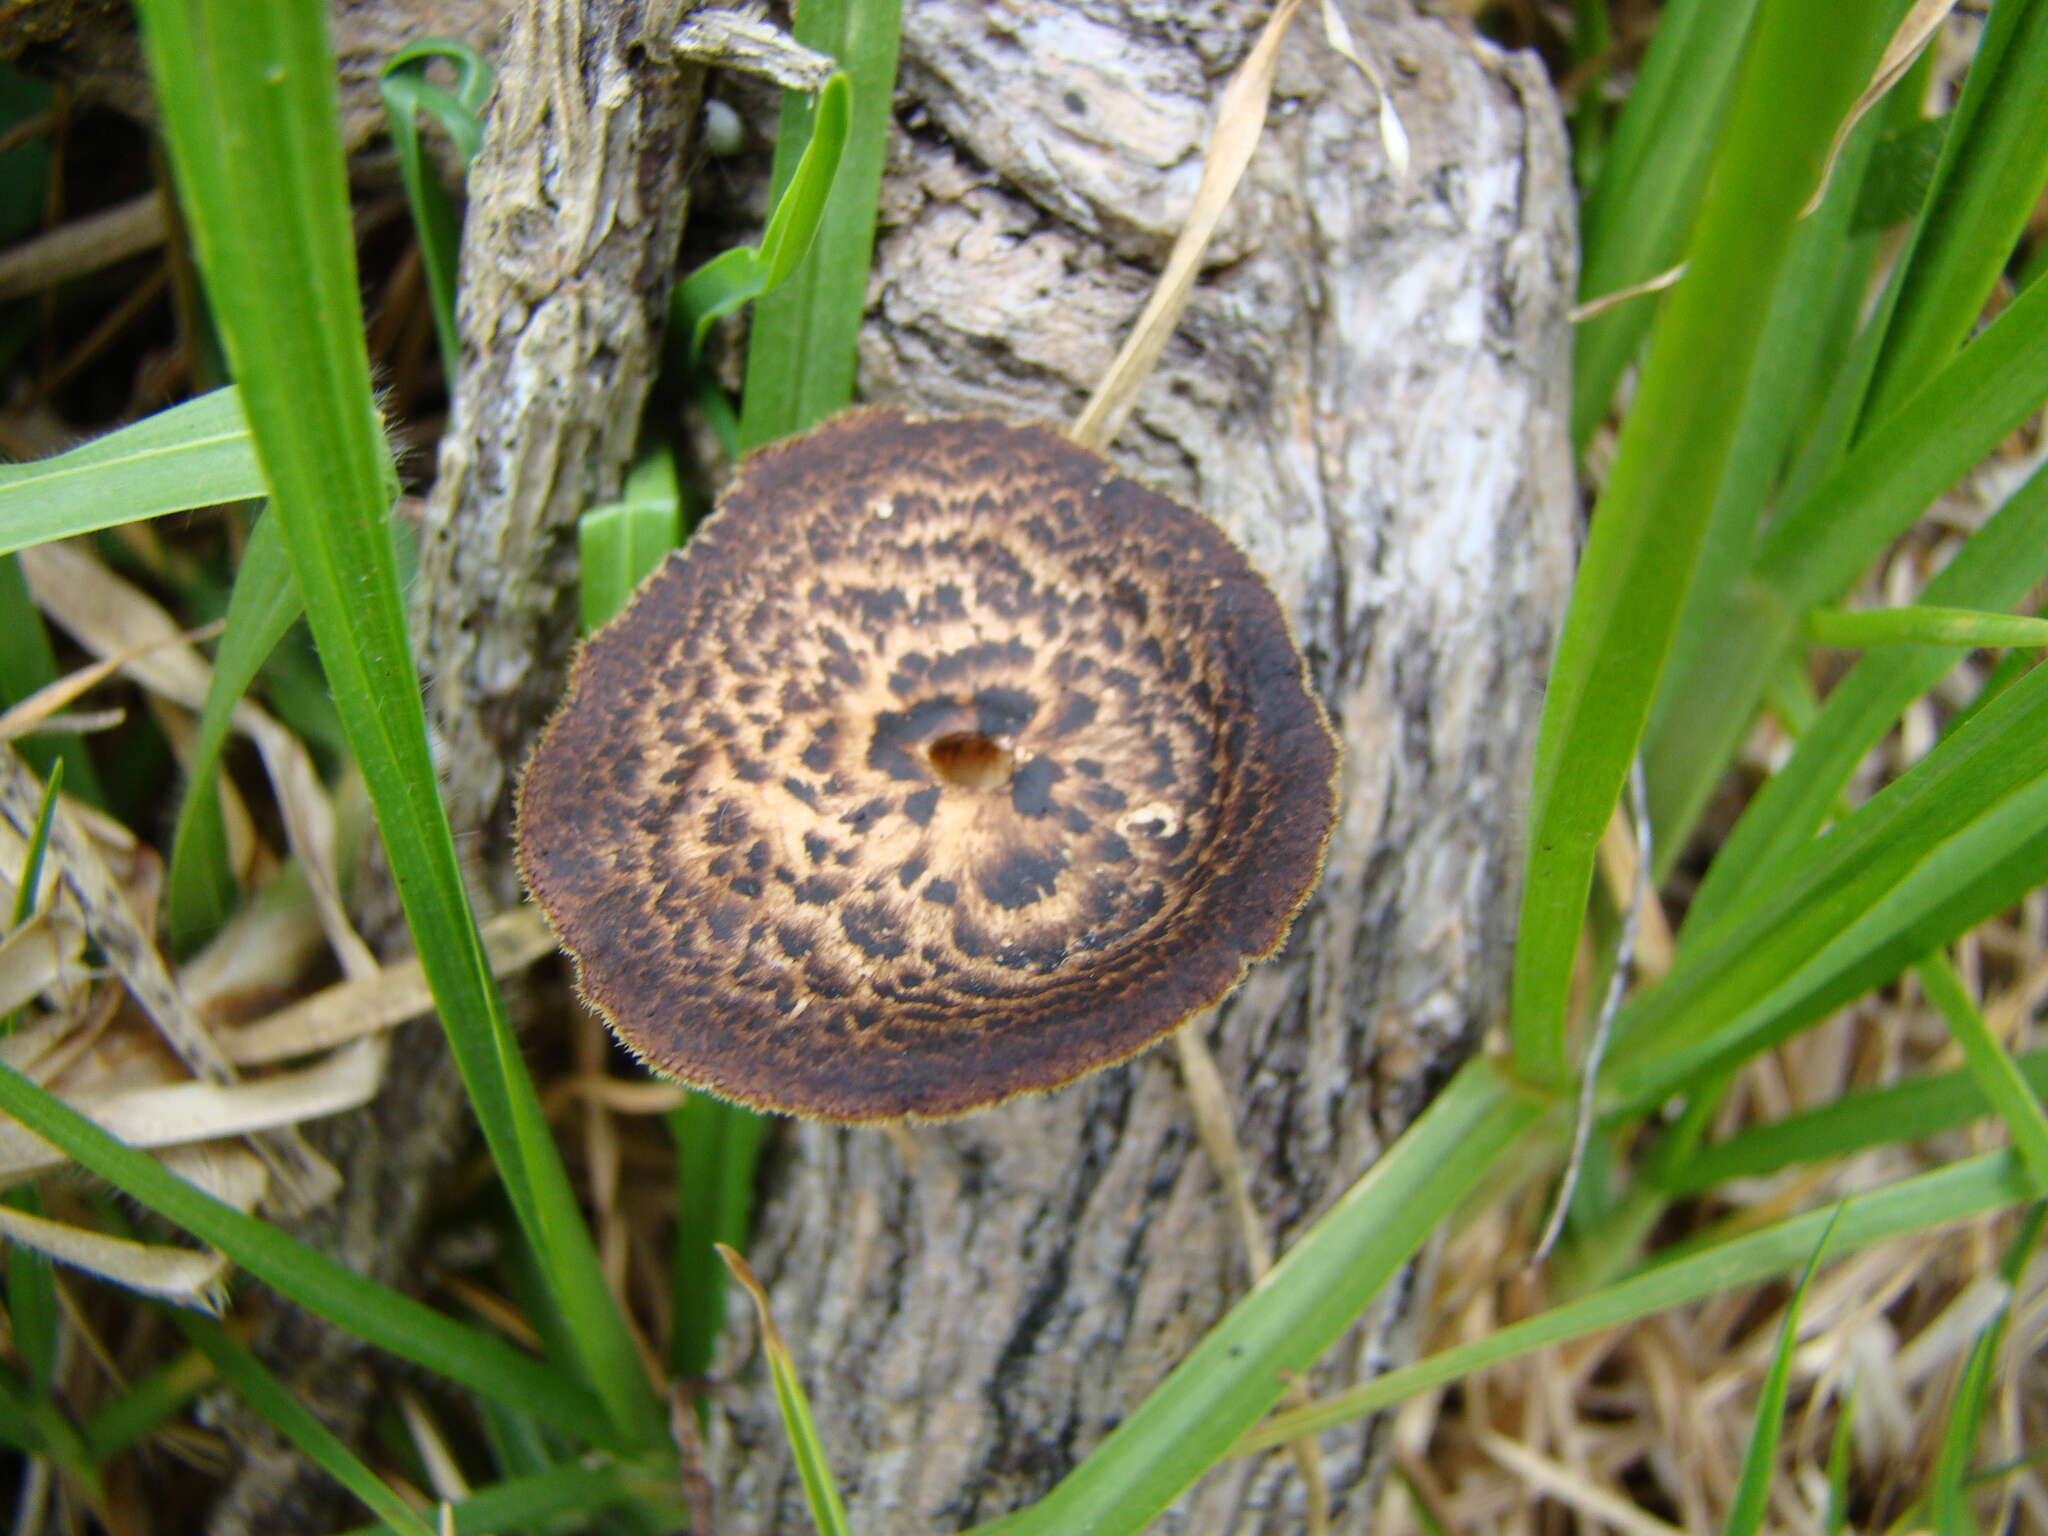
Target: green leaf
717, 1146
1998, 1076
1901, 172
1956, 838
572, 1489
248, 97
1994, 163
27, 662
800, 356
1949, 1491
1993, 569
1637, 215
1876, 1117
619, 544
407, 93
821, 1492
1813, 552
745, 273
1947, 1195
1753, 1486
1802, 70
1853, 629
147, 1404
198, 454
199, 890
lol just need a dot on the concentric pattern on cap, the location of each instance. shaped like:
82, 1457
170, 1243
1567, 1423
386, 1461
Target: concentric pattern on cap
777, 890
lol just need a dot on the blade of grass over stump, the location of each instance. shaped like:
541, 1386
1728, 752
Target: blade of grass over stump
391, 1321
1956, 1193
800, 355
199, 889
821, 1492
198, 454
1803, 68
745, 273
291, 1418
1319, 1287
248, 97
407, 92
1994, 569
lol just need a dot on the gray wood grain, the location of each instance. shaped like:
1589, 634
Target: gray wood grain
1369, 392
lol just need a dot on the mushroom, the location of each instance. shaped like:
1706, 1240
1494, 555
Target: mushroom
943, 764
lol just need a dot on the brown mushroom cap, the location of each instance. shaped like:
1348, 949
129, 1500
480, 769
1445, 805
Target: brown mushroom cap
943, 764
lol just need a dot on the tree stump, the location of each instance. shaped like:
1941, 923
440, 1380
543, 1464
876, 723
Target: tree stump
1369, 392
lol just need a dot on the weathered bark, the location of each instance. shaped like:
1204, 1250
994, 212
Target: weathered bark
569, 247
1369, 393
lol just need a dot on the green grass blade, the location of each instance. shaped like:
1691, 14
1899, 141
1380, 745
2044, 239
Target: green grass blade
385, 1318
249, 107
618, 544
27, 662
147, 1404
1876, 1117
1801, 334
1803, 68
1998, 1075
1947, 1195
800, 357
199, 890
1753, 1486
1957, 837
1920, 624
1994, 163
717, 1146
739, 276
1241, 1366
1959, 415
291, 1418
198, 454
1813, 552
1994, 569
821, 1491
1948, 1493
407, 93
529, 1503
1840, 1450
1637, 215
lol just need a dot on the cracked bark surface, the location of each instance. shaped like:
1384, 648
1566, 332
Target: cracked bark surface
1369, 393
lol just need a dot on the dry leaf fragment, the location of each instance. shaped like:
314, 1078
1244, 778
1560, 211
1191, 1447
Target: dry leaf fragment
1914, 34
